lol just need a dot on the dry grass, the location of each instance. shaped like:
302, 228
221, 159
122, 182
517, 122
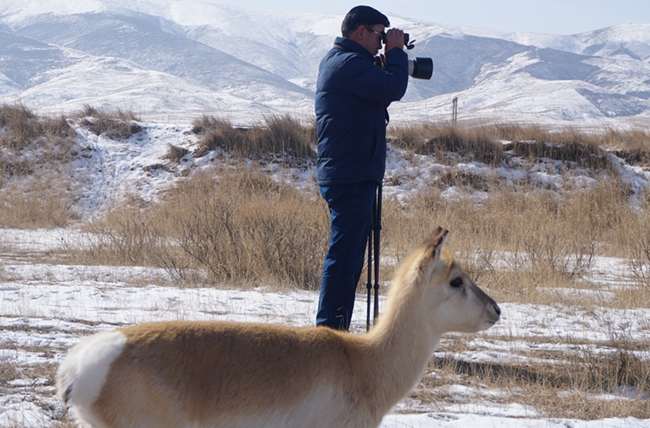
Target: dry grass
567, 383
633, 146
515, 218
42, 200
239, 227
28, 142
23, 127
116, 125
35, 181
280, 136
235, 223
449, 143
520, 244
498, 144
639, 246
175, 153
242, 227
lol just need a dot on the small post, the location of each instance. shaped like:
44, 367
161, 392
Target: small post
454, 112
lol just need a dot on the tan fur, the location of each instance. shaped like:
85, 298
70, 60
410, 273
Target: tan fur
219, 374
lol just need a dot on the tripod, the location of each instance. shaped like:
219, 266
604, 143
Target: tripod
373, 257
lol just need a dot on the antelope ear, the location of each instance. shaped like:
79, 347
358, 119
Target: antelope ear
436, 241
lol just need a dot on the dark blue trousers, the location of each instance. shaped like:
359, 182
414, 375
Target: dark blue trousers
351, 208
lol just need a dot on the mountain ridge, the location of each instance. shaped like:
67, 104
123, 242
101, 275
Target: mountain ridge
202, 57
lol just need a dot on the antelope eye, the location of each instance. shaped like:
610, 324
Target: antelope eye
456, 282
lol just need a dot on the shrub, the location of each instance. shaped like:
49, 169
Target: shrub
175, 153
116, 125
239, 227
278, 136
36, 184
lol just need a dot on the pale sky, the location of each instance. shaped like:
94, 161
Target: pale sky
538, 16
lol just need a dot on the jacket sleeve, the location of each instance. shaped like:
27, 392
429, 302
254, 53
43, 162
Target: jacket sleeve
375, 84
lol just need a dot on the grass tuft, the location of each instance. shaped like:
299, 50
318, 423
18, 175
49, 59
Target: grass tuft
279, 136
175, 153
36, 185
116, 125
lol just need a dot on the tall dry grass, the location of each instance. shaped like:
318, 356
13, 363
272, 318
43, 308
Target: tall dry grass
522, 240
526, 237
36, 184
449, 143
23, 127
114, 124
521, 237
497, 144
28, 141
42, 200
639, 254
633, 146
233, 226
278, 136
521, 243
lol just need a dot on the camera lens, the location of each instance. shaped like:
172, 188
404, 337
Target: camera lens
421, 68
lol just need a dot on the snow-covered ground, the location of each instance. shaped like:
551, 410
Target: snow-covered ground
47, 307
115, 169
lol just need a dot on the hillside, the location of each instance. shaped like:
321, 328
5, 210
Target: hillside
177, 60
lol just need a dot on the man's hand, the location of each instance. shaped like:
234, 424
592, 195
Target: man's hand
380, 61
394, 39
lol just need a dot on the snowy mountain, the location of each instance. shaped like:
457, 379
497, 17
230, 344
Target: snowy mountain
181, 59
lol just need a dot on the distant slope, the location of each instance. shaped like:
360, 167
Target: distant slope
183, 59
142, 39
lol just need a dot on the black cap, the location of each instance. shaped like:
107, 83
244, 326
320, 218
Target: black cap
362, 15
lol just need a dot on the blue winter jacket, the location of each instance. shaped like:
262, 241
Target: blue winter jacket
352, 95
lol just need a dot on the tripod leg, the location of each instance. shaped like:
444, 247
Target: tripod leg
369, 283
377, 242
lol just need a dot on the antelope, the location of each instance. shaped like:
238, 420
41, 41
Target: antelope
236, 375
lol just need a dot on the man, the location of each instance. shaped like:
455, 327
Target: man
353, 91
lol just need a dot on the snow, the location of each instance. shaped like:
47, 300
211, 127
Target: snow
177, 60
45, 308
52, 307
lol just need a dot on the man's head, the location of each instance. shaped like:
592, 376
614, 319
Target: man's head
364, 25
